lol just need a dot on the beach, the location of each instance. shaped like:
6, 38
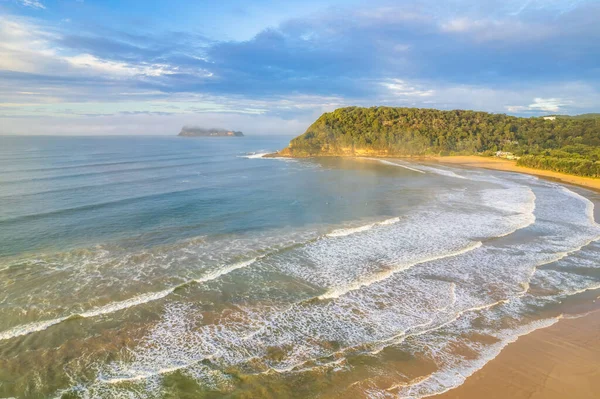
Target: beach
559, 361
198, 268
511, 166
555, 362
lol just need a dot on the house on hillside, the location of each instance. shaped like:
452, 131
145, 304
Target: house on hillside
550, 118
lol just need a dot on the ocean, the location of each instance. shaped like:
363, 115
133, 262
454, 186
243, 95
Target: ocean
168, 267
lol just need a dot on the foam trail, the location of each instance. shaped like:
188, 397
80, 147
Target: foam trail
102, 310
255, 155
29, 328
128, 303
336, 292
26, 329
446, 379
442, 172
228, 269
354, 230
589, 205
396, 164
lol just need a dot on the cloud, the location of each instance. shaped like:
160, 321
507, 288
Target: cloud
460, 54
32, 4
541, 105
400, 88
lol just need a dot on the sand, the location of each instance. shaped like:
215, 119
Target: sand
561, 361
511, 166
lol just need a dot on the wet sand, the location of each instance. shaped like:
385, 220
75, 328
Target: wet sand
561, 361
511, 166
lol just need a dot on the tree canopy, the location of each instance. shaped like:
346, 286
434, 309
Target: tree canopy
387, 131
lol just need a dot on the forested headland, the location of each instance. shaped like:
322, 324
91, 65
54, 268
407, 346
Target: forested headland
565, 144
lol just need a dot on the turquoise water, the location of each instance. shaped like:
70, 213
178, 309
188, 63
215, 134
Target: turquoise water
165, 267
59, 193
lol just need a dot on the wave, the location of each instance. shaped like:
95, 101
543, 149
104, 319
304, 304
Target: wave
112, 307
254, 155
421, 168
451, 377
228, 269
26, 329
354, 230
102, 164
589, 205
383, 161
99, 205
110, 172
442, 172
336, 292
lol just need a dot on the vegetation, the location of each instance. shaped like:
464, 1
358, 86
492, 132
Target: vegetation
570, 145
578, 160
582, 116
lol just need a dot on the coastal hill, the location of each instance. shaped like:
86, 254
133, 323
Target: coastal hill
193, 131
570, 145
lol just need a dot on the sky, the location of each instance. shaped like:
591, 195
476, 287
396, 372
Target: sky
84, 67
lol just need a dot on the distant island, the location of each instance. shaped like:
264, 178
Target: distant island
193, 131
559, 143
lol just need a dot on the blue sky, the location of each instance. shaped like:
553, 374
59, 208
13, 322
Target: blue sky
139, 67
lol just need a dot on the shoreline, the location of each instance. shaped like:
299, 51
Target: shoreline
506, 165
555, 362
476, 161
551, 363
559, 361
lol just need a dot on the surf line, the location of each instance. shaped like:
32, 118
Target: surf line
336, 292
383, 161
353, 230
37, 326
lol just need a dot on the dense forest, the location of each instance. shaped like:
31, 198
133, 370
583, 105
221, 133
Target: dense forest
566, 144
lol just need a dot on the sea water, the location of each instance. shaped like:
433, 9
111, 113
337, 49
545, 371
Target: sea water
164, 267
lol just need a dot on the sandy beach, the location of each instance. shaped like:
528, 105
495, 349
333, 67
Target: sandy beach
556, 362
561, 361
511, 166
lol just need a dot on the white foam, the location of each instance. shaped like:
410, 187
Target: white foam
589, 205
454, 375
377, 300
383, 161
336, 292
128, 303
225, 270
29, 328
354, 230
117, 306
439, 171
256, 155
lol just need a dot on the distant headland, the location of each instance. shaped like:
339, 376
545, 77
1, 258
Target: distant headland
193, 131
560, 143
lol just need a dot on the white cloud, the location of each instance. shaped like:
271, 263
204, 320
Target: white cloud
401, 88
540, 104
483, 30
548, 104
96, 65
27, 47
32, 4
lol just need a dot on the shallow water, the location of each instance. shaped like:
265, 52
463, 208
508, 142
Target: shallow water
166, 267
